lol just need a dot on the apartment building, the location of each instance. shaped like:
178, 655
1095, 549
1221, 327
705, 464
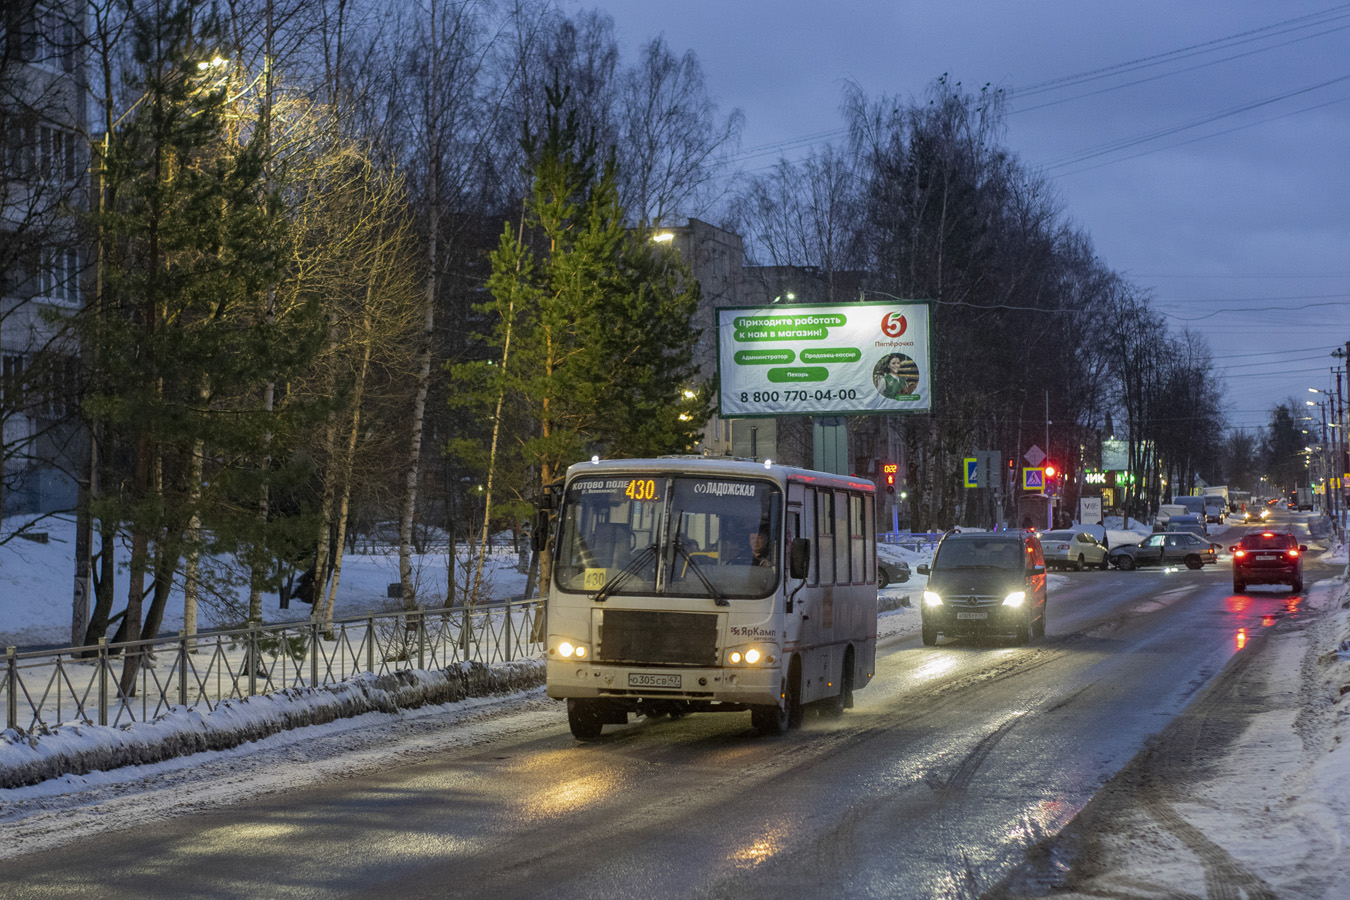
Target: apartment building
43, 184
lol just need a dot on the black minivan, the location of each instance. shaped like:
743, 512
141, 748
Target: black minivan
985, 582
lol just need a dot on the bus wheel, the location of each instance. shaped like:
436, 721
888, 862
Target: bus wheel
583, 717
771, 720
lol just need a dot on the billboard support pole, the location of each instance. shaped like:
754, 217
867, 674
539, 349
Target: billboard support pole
830, 445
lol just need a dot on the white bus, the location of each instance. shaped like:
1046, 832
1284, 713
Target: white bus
691, 584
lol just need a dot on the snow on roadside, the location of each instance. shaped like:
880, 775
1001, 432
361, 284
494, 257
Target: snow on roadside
79, 807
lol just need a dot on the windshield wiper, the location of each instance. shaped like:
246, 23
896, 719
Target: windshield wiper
624, 574
698, 570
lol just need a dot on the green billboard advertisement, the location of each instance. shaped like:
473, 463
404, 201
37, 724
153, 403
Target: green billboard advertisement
825, 359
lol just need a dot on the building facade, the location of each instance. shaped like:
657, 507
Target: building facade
44, 130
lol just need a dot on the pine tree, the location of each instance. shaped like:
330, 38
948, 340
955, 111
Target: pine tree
194, 237
592, 350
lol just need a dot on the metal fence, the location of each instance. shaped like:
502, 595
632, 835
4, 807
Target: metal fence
43, 689
918, 540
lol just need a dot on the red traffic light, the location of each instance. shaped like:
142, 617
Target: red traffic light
1049, 470
889, 469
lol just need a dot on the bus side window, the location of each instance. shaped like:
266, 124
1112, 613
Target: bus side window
809, 532
870, 539
841, 549
825, 535
857, 538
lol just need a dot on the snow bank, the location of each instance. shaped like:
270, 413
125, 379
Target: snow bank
81, 748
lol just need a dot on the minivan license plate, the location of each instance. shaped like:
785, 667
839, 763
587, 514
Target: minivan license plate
643, 679
979, 615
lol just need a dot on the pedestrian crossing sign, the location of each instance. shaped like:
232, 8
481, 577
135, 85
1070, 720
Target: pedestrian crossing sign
1033, 479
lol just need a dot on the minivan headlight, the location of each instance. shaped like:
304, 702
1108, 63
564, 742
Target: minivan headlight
569, 650
931, 599
1016, 598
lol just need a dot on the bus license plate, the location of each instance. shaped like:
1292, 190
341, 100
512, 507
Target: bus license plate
641, 679
979, 615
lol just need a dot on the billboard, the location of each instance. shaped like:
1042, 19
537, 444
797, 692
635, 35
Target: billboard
825, 359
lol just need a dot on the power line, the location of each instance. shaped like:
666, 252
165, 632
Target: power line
1249, 309
1266, 366
1253, 276
1203, 137
1259, 299
1167, 131
1161, 75
1157, 58
1281, 373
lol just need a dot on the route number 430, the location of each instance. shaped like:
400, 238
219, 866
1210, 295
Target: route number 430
641, 489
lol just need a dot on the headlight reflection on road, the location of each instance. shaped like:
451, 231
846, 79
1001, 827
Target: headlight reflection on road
1046, 818
760, 850
935, 668
570, 796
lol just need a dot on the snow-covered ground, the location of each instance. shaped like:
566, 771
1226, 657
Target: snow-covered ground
1270, 815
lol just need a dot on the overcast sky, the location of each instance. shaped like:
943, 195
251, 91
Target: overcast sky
1203, 145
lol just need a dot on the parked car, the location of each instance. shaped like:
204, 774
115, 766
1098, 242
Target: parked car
985, 583
1067, 549
1165, 513
1191, 503
889, 573
1168, 549
1188, 523
1268, 557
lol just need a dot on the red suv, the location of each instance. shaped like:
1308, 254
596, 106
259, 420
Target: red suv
1268, 557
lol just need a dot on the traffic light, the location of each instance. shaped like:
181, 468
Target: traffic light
888, 470
1051, 471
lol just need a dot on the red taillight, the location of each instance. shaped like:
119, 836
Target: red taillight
1238, 554
1292, 553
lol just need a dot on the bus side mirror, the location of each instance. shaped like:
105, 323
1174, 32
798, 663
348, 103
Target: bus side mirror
799, 558
539, 531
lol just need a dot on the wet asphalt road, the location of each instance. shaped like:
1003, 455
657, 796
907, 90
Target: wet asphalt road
956, 759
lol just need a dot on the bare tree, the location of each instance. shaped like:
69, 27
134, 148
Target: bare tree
671, 143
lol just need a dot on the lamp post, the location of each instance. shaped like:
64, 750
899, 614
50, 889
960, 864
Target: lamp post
1342, 444
1330, 458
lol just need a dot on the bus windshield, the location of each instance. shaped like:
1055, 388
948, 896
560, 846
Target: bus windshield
718, 537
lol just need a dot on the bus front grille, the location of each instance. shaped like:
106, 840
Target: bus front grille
658, 638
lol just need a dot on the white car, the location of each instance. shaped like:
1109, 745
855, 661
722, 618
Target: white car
1070, 549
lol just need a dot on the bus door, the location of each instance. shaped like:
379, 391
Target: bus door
801, 523
805, 625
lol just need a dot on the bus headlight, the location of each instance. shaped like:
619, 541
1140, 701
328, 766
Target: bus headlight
931, 599
749, 656
569, 650
1016, 598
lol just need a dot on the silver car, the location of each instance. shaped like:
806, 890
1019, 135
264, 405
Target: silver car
1067, 549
